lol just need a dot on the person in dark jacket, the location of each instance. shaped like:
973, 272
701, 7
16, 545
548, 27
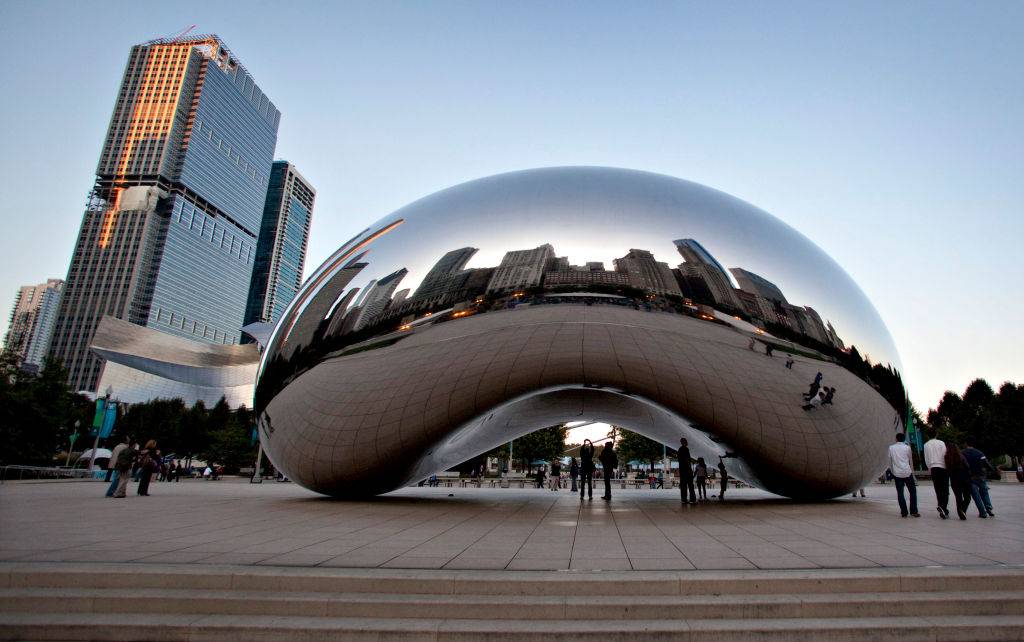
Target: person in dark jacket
723, 479
125, 460
587, 469
959, 479
685, 472
609, 461
978, 466
149, 459
574, 472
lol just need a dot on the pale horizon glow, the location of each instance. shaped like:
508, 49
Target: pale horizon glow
891, 135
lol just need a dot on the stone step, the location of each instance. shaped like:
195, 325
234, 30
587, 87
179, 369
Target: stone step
219, 628
188, 602
509, 583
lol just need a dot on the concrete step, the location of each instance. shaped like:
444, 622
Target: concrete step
189, 602
224, 628
524, 583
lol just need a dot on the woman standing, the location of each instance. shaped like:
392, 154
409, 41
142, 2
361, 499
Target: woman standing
555, 480
959, 479
724, 479
147, 464
701, 476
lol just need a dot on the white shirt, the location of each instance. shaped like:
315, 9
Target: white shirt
935, 453
901, 462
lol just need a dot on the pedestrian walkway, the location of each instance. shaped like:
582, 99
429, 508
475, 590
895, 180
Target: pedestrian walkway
280, 524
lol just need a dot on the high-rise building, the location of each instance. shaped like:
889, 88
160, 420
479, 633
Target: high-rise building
439, 279
32, 321
757, 284
169, 235
378, 297
700, 264
281, 248
521, 269
648, 274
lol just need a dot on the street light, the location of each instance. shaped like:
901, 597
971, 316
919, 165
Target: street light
99, 429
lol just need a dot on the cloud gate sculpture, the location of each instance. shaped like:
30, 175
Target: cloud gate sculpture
520, 301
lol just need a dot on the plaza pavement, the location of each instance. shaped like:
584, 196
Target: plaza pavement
280, 524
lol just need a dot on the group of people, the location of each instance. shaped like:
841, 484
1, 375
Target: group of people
128, 457
695, 477
818, 395
609, 462
962, 470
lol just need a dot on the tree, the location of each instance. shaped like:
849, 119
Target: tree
545, 444
633, 445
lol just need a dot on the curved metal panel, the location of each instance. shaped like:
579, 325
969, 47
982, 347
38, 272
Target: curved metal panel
519, 301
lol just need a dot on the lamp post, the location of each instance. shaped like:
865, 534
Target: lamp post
72, 439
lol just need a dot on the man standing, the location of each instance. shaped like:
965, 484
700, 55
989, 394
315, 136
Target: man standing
112, 465
901, 463
685, 472
978, 466
587, 469
935, 460
609, 461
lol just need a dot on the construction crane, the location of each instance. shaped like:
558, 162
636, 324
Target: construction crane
181, 33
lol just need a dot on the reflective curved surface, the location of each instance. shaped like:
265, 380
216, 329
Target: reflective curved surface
519, 301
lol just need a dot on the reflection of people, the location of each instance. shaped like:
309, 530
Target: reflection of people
768, 349
815, 401
829, 394
685, 473
812, 391
751, 344
789, 361
608, 463
979, 466
935, 460
902, 467
587, 469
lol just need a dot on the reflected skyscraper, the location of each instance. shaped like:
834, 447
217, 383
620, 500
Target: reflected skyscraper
32, 321
647, 273
521, 269
281, 249
757, 284
169, 235
378, 298
439, 279
700, 264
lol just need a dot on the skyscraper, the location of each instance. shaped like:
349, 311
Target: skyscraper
521, 269
438, 279
169, 234
281, 249
647, 273
701, 264
757, 284
32, 321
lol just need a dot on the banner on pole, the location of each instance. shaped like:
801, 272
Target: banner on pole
109, 416
97, 420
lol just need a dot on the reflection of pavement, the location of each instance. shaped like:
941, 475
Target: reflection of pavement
233, 522
354, 417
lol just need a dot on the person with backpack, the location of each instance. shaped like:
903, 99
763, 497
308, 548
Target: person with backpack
125, 460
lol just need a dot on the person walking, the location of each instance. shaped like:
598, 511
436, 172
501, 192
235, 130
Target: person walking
978, 465
901, 463
685, 472
574, 472
959, 479
587, 469
789, 362
147, 465
112, 465
701, 476
125, 460
723, 480
609, 461
935, 460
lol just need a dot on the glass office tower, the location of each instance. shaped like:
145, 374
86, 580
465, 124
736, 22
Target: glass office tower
281, 251
169, 235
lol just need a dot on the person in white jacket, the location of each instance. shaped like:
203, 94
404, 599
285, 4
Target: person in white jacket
901, 463
935, 460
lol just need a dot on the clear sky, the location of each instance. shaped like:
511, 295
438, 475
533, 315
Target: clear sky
891, 134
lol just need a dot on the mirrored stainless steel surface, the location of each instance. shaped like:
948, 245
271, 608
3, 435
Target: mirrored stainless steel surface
510, 303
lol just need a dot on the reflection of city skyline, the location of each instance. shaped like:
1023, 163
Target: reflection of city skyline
699, 280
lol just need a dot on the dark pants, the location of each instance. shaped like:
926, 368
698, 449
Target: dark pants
911, 486
586, 482
686, 486
144, 482
113, 482
573, 478
608, 482
961, 494
702, 487
940, 480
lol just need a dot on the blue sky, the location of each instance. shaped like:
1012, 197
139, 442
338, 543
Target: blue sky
891, 134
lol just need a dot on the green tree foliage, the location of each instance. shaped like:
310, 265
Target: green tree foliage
545, 444
37, 412
992, 421
230, 437
159, 419
633, 445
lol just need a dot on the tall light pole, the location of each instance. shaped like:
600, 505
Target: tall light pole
99, 429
